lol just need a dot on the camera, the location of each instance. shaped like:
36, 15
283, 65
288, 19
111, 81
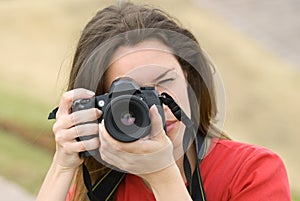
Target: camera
125, 110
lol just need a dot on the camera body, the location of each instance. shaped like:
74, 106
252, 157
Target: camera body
125, 110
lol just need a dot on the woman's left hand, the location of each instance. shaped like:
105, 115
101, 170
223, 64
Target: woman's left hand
142, 157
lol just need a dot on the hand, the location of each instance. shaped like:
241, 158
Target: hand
142, 157
66, 131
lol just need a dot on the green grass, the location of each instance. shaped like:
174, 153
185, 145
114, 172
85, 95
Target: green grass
22, 162
24, 110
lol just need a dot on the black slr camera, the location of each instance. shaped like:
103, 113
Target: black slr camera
125, 109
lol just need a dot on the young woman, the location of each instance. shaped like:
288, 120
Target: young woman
177, 160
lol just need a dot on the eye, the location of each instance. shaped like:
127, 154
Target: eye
165, 80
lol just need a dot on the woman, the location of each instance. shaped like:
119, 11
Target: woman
149, 47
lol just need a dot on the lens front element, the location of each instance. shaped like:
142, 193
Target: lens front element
127, 118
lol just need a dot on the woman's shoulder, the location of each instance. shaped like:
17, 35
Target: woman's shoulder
244, 169
238, 149
233, 154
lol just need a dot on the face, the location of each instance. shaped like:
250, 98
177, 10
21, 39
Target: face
150, 63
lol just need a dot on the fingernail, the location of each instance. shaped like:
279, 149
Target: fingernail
91, 93
99, 112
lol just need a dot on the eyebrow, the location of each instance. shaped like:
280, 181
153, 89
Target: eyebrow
162, 75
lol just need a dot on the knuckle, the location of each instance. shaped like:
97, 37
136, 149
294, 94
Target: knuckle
66, 97
55, 128
83, 146
59, 138
76, 131
97, 113
65, 148
72, 119
93, 112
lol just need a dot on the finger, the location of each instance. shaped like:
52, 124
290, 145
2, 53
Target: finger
69, 97
86, 145
104, 137
70, 120
86, 129
64, 122
76, 131
84, 116
156, 122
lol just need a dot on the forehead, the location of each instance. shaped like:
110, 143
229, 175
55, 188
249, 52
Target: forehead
142, 61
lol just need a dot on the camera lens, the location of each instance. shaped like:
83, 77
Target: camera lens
127, 118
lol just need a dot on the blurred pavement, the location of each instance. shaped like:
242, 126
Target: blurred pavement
274, 23
11, 192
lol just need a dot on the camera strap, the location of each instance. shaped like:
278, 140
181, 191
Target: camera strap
104, 188
194, 180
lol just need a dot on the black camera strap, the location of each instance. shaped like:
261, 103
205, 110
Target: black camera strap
104, 188
194, 180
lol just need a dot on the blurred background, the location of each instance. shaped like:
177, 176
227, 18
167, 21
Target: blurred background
254, 44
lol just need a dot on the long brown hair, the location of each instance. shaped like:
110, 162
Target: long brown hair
123, 18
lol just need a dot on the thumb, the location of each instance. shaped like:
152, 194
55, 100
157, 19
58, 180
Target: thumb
156, 122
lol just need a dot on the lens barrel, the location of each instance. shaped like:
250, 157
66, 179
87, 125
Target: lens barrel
127, 118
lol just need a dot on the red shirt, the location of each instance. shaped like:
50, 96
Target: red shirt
231, 171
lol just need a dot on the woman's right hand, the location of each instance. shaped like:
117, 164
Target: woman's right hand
66, 129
